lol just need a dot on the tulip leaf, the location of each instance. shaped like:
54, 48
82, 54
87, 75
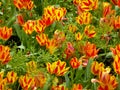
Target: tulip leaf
67, 80
88, 70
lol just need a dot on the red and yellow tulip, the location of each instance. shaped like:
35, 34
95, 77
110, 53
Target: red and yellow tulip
78, 36
84, 18
5, 33
11, 77
96, 68
87, 5
28, 27
58, 68
5, 56
2, 81
42, 39
90, 31
26, 82
40, 26
31, 66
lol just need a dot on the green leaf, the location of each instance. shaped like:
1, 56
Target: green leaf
67, 80
88, 70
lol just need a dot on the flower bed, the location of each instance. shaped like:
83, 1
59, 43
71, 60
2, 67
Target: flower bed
59, 45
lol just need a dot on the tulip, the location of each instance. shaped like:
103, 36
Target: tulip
69, 51
90, 50
42, 39
116, 64
75, 63
28, 27
24, 4
20, 19
40, 26
89, 31
78, 36
51, 45
5, 33
72, 28
59, 87
31, 66
107, 81
11, 77
77, 87
58, 68
116, 50
26, 82
84, 18
4, 54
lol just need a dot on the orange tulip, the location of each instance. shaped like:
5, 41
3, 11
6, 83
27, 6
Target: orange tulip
75, 63
89, 31
5, 33
42, 39
11, 77
28, 27
116, 50
20, 19
26, 82
107, 81
69, 51
84, 18
78, 36
77, 87
51, 45
58, 68
23, 4
90, 50
116, 23
48, 20
4, 54
116, 64
40, 26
